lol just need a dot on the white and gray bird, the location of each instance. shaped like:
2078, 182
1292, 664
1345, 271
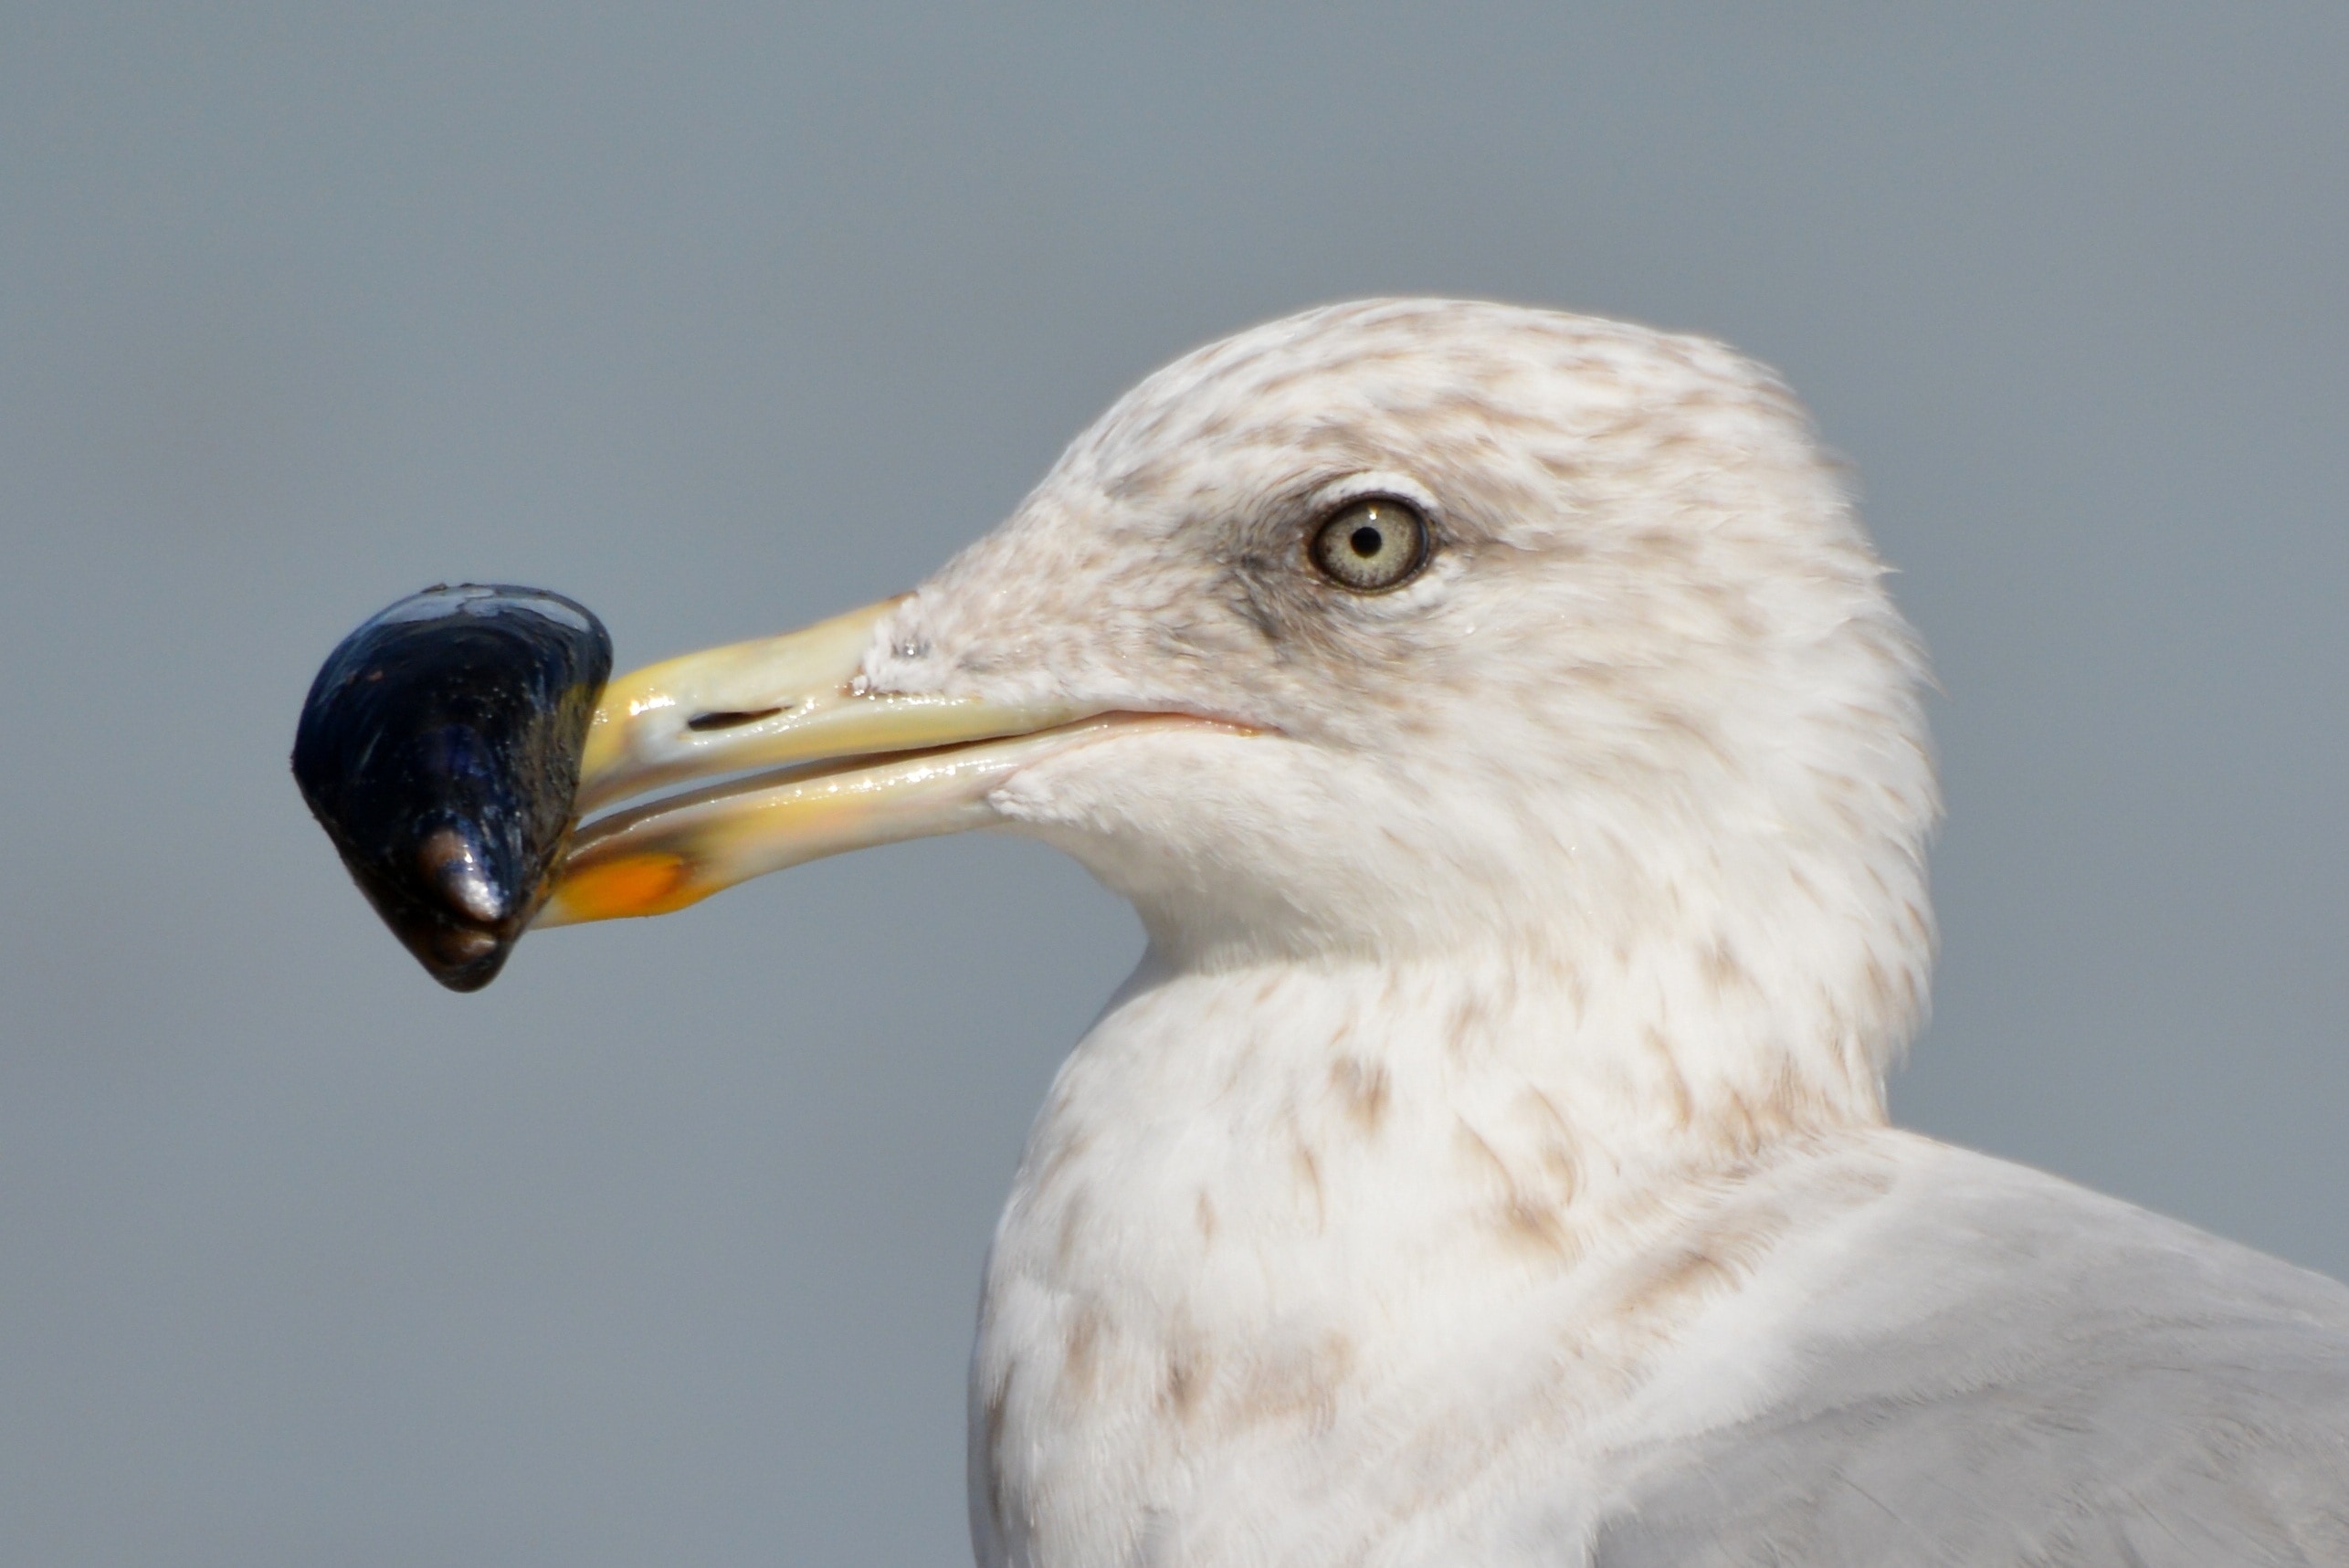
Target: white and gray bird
1498, 720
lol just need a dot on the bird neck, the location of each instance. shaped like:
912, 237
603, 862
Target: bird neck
1673, 980
1498, 1114
1546, 1079
1260, 1193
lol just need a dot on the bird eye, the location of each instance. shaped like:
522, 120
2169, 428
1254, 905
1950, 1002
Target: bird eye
1372, 544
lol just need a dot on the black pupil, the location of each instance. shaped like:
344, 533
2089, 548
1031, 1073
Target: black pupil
1366, 540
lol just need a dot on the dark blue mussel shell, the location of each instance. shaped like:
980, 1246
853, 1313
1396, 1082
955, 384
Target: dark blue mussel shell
440, 749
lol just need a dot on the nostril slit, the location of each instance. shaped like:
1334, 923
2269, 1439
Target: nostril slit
729, 719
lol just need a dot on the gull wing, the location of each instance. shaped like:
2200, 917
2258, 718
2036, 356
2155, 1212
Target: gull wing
2065, 1380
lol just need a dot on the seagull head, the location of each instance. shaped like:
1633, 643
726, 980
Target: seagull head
1380, 634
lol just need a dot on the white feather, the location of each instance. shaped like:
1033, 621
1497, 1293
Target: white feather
1499, 1110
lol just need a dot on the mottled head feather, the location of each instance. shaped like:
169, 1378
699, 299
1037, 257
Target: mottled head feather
1649, 718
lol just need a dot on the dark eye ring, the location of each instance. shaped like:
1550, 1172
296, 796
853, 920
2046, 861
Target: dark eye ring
1371, 544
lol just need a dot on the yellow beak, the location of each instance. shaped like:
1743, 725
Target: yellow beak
808, 767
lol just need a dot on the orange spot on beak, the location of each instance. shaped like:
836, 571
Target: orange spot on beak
646, 884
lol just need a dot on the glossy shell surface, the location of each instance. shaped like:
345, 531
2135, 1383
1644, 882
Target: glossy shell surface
440, 749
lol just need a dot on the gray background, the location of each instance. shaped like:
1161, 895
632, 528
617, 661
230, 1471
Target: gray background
665, 1250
